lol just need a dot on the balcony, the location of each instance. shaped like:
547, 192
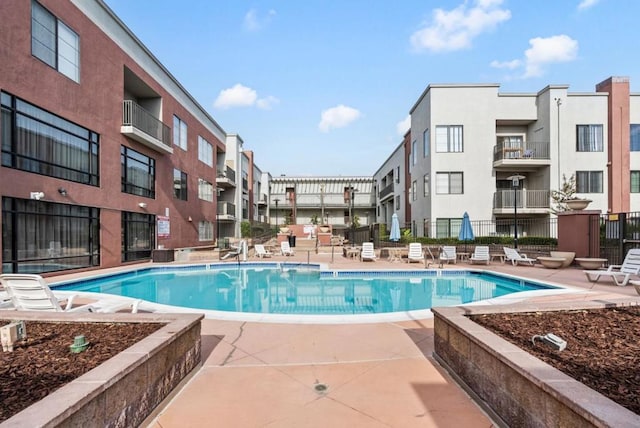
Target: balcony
226, 178
262, 202
529, 201
521, 153
226, 211
245, 185
386, 192
141, 126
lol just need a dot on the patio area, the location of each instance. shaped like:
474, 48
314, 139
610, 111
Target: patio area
356, 375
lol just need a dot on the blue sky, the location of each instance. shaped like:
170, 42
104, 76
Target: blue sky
325, 87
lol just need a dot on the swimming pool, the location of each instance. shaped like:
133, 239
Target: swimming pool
271, 288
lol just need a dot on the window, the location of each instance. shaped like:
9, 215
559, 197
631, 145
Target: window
414, 190
589, 138
39, 236
425, 143
37, 141
426, 185
397, 174
138, 236
414, 152
205, 151
205, 231
180, 184
54, 43
397, 202
179, 133
449, 138
449, 183
589, 181
448, 227
635, 181
205, 190
138, 175
635, 137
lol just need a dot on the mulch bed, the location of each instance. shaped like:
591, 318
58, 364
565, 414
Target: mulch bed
603, 346
43, 362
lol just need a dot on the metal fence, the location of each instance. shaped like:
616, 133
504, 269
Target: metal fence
619, 232
527, 227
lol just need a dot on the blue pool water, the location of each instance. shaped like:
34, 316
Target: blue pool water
276, 289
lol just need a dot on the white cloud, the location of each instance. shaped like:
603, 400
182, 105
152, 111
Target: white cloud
403, 126
253, 22
510, 65
544, 51
242, 96
586, 4
455, 29
337, 117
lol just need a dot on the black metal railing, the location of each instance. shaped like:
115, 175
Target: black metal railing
139, 118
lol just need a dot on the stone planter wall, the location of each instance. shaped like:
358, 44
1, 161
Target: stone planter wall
125, 389
512, 384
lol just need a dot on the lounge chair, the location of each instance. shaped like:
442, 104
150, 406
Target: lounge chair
415, 253
368, 252
31, 293
285, 249
448, 254
261, 251
480, 255
512, 255
619, 273
236, 251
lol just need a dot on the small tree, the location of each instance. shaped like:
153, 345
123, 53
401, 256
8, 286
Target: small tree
567, 192
245, 229
314, 219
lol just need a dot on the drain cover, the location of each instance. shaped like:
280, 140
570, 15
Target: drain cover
320, 388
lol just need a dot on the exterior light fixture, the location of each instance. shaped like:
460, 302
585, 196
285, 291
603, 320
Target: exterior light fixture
62, 191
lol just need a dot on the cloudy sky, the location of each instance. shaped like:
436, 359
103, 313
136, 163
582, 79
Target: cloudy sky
325, 87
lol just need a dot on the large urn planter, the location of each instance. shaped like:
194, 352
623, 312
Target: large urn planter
324, 229
568, 257
577, 204
284, 230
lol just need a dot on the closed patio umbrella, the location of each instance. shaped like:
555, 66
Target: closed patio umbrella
466, 230
394, 235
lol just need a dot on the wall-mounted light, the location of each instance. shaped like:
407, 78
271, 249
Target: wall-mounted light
190, 219
142, 205
62, 191
37, 195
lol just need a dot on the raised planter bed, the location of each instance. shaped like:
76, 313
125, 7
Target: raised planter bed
515, 387
124, 390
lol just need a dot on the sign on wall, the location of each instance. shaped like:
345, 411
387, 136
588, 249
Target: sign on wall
164, 227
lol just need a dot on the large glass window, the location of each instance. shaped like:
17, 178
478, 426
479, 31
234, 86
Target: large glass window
426, 185
205, 190
414, 152
589, 181
37, 141
138, 173
39, 236
449, 138
449, 183
414, 190
635, 137
180, 184
448, 227
205, 151
425, 143
589, 138
205, 231
138, 236
179, 133
54, 43
635, 181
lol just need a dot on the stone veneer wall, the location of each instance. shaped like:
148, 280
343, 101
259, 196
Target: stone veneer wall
125, 389
514, 385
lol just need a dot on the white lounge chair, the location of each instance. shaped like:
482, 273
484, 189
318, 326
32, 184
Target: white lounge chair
619, 273
448, 254
480, 255
368, 252
415, 253
261, 251
31, 293
512, 255
285, 249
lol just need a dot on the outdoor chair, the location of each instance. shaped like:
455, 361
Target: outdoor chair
31, 293
415, 253
448, 254
512, 255
480, 255
619, 273
285, 249
261, 251
368, 252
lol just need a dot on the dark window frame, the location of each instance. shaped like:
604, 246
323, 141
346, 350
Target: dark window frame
180, 190
134, 226
127, 157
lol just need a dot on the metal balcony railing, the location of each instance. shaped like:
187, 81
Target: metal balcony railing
135, 116
531, 199
386, 191
227, 173
521, 150
226, 208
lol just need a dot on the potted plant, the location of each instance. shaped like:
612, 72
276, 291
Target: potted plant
287, 222
565, 199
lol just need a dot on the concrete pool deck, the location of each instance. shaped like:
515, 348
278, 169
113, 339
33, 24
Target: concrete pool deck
256, 374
